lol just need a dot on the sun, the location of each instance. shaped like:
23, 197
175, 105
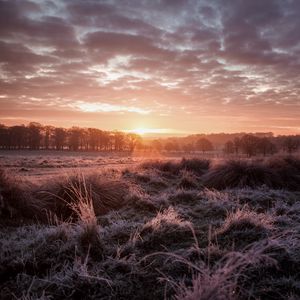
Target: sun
141, 131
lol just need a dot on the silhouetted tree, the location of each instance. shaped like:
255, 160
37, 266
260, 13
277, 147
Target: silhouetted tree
291, 143
134, 141
34, 135
3, 136
265, 146
171, 146
188, 147
106, 138
119, 141
93, 138
204, 145
249, 144
237, 145
48, 134
229, 147
59, 137
17, 137
74, 138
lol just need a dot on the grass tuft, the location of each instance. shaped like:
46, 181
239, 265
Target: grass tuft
240, 174
243, 227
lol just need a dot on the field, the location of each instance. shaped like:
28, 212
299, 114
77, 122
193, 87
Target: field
90, 226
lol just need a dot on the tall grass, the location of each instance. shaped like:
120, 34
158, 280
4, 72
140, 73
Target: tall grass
82, 205
62, 194
222, 281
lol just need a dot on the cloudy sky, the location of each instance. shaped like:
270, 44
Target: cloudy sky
176, 66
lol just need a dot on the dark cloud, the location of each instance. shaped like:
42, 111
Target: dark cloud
172, 57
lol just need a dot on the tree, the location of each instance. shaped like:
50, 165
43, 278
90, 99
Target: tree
3, 136
265, 146
204, 145
59, 136
34, 135
74, 138
237, 145
48, 134
249, 144
188, 147
93, 138
119, 141
17, 137
171, 146
291, 143
157, 145
229, 147
134, 140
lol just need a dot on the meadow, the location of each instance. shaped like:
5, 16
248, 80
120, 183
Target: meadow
94, 226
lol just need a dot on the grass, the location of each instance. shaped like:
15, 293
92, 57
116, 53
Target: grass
195, 165
240, 174
162, 230
243, 227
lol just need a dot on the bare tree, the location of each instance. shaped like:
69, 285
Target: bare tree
229, 147
119, 141
249, 144
133, 141
34, 135
59, 136
237, 145
204, 145
74, 138
291, 143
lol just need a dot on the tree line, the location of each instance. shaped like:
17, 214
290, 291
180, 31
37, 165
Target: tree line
35, 136
251, 145
242, 144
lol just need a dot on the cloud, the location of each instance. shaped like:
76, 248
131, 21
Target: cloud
106, 107
151, 58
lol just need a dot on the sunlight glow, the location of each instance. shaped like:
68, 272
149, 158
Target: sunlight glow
143, 131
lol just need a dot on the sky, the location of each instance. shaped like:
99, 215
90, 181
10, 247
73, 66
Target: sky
170, 66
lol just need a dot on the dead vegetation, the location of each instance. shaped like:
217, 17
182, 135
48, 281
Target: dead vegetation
163, 230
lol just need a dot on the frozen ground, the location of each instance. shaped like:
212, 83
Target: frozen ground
137, 229
39, 165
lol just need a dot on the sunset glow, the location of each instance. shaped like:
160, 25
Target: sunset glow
152, 131
189, 66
